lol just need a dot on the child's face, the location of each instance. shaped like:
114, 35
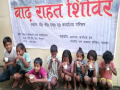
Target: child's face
8, 46
19, 51
66, 59
37, 67
91, 59
79, 57
53, 54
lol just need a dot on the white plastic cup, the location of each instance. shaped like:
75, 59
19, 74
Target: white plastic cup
31, 77
17, 60
6, 59
90, 66
65, 66
78, 64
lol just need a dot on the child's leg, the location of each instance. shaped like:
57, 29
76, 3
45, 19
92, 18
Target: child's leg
86, 79
109, 85
94, 83
74, 81
68, 79
103, 83
79, 80
5, 76
49, 86
22, 83
16, 78
44, 86
37, 86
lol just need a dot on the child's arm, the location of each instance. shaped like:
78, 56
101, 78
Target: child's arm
27, 75
75, 66
49, 67
68, 73
83, 69
60, 70
44, 80
23, 60
114, 71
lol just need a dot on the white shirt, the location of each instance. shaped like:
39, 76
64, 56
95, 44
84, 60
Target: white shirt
11, 56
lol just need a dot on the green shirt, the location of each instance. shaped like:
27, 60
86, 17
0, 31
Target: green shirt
26, 57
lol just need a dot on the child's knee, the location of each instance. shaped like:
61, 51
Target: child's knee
94, 79
16, 76
67, 78
62, 75
78, 78
109, 84
103, 82
86, 78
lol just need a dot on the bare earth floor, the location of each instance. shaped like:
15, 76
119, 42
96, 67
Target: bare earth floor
7, 86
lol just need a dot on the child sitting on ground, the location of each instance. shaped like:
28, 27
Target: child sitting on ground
91, 70
52, 64
79, 68
66, 68
37, 75
106, 69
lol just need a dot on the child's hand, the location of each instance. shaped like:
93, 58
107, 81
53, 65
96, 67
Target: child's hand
93, 66
64, 71
51, 60
19, 57
5, 66
87, 65
33, 79
3, 59
64, 63
110, 67
56, 60
80, 63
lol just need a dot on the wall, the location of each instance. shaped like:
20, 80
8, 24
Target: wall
5, 30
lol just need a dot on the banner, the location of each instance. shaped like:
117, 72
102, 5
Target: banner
70, 24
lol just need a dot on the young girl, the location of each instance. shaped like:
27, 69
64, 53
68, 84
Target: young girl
91, 70
23, 59
79, 68
66, 68
38, 74
106, 69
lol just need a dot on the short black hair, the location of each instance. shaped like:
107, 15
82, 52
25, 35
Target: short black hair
21, 46
93, 54
53, 48
38, 60
81, 52
107, 56
67, 53
6, 39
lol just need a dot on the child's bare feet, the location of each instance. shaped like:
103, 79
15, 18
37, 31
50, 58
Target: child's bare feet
38, 88
15, 84
22, 83
65, 85
87, 88
57, 85
93, 87
69, 85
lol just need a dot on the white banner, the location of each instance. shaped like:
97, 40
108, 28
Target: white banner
70, 24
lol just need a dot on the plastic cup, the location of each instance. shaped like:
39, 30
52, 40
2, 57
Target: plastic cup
6, 59
31, 77
90, 66
78, 64
65, 66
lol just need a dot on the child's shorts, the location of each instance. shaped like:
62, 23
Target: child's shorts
50, 78
107, 80
22, 73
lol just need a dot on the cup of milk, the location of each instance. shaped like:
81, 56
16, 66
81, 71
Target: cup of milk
90, 66
65, 66
31, 77
6, 59
78, 64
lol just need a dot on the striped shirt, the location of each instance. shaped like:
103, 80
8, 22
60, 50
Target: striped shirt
54, 67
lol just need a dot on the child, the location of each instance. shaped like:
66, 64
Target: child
79, 68
52, 64
106, 69
66, 68
91, 70
39, 74
9, 57
23, 59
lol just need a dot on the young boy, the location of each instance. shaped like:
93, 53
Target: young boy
53, 64
91, 70
106, 69
9, 57
37, 75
